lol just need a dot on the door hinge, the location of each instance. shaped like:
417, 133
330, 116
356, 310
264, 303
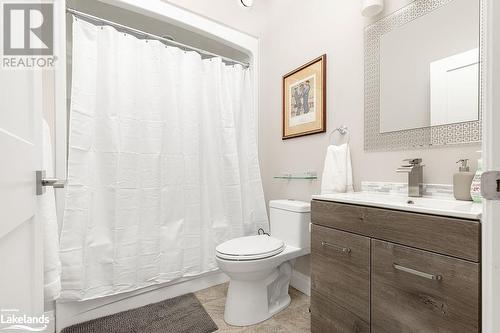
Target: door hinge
490, 185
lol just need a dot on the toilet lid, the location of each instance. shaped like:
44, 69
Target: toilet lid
250, 248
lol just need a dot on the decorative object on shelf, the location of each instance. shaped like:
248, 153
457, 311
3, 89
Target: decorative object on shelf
304, 99
310, 175
372, 8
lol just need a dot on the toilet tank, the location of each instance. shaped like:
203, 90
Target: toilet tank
289, 221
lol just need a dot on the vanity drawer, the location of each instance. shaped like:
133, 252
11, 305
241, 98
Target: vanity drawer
328, 317
336, 215
418, 291
451, 236
340, 269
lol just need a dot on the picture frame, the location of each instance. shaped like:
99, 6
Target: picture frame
304, 99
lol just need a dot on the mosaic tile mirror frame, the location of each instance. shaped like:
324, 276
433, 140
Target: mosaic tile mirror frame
467, 132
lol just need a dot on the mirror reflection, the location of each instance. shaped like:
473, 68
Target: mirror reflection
429, 69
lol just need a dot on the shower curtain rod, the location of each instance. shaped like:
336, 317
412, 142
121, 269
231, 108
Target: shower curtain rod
152, 36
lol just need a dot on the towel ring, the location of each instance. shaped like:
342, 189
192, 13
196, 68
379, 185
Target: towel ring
343, 130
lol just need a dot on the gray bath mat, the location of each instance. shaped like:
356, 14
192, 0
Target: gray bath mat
183, 314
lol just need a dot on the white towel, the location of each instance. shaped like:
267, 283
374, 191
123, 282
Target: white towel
48, 217
337, 173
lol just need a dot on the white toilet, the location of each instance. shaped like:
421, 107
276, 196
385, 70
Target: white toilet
260, 267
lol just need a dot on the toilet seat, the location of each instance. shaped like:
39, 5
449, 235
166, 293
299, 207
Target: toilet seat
250, 248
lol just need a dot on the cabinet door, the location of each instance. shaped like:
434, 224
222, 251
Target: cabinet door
329, 317
420, 291
340, 272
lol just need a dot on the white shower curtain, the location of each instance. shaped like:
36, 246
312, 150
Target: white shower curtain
162, 163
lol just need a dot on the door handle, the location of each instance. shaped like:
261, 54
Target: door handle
42, 182
412, 271
54, 182
345, 250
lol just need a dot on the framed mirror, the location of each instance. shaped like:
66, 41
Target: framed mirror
423, 79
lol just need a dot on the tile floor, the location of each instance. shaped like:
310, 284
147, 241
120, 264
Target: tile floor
294, 319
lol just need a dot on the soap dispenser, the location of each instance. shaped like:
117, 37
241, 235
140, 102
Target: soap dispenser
462, 181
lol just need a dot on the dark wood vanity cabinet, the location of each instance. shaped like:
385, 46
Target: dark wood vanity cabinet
382, 271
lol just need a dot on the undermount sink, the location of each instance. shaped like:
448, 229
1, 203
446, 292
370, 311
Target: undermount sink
426, 205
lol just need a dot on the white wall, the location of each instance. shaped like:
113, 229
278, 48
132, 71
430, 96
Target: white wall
336, 28
291, 33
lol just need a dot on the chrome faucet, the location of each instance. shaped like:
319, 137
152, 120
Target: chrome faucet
415, 171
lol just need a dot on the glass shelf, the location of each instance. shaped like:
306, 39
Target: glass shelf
303, 176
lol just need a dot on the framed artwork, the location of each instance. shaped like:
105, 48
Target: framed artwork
304, 99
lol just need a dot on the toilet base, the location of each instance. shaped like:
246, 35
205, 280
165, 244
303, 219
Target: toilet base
257, 296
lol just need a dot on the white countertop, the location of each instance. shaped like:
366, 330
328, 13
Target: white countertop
426, 205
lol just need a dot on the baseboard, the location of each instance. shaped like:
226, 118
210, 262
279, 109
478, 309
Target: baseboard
71, 313
301, 282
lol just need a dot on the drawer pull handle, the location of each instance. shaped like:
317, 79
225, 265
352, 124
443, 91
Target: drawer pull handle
336, 247
436, 277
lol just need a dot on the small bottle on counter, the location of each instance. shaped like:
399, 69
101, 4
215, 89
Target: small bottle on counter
462, 181
475, 188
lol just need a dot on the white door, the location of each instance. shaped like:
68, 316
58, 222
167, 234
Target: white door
491, 155
21, 256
